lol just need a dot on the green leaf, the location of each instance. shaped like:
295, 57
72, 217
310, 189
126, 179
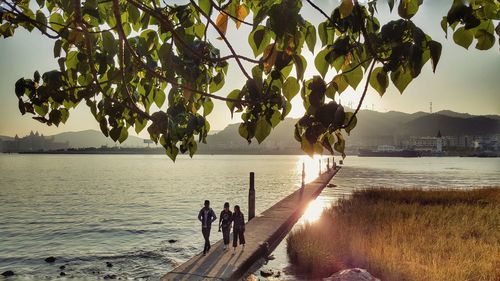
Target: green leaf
340, 144
354, 77
275, 118
307, 147
36, 77
311, 37
485, 40
463, 37
435, 50
242, 130
217, 82
379, 80
300, 66
115, 133
407, 8
140, 125
123, 135
235, 94
159, 97
208, 106
346, 8
206, 6
340, 83
57, 48
321, 63
259, 39
103, 125
172, 152
352, 124
323, 33
262, 129
21, 106
56, 22
40, 17
72, 60
193, 147
290, 88
444, 26
199, 30
401, 79
109, 42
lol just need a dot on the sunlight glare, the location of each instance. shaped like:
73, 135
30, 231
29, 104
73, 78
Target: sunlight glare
313, 211
311, 166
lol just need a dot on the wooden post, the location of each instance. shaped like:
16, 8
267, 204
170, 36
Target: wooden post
303, 175
328, 163
319, 171
251, 197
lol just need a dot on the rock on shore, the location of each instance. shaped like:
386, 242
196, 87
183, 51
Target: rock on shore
352, 274
8, 273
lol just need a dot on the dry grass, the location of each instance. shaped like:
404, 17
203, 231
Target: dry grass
405, 235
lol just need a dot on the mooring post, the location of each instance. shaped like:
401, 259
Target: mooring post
303, 175
328, 164
251, 197
319, 171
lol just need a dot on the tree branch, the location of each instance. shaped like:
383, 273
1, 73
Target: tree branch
162, 77
362, 96
356, 66
322, 12
123, 38
238, 61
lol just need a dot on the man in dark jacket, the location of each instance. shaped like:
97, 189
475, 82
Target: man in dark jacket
206, 217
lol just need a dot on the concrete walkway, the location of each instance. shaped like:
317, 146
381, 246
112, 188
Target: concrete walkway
263, 234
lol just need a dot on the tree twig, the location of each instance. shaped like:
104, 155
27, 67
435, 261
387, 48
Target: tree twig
362, 96
238, 61
220, 9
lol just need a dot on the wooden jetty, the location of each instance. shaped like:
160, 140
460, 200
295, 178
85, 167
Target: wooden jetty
263, 234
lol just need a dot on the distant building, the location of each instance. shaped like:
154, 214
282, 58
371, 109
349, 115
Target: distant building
428, 144
32, 142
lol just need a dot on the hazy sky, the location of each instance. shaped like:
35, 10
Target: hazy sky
465, 80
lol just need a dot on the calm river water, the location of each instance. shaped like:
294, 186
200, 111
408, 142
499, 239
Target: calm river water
87, 210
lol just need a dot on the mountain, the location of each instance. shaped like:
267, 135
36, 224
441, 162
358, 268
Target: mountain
451, 126
2, 138
93, 138
465, 115
373, 128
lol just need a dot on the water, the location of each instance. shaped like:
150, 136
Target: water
87, 210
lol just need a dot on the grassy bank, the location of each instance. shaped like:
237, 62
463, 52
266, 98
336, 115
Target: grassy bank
405, 235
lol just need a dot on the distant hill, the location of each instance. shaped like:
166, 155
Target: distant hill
93, 138
6, 138
465, 115
373, 127
451, 126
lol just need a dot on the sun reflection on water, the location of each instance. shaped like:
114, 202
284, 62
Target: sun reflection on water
311, 166
314, 210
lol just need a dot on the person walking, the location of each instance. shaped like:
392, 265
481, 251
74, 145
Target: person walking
206, 216
225, 219
238, 227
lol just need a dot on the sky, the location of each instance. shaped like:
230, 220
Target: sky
465, 80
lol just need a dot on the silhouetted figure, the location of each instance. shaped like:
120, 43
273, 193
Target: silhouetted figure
225, 219
238, 227
206, 216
